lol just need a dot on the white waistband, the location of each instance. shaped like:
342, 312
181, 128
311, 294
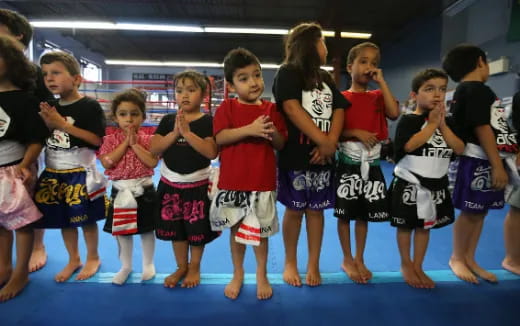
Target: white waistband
70, 159
358, 152
172, 176
427, 167
12, 151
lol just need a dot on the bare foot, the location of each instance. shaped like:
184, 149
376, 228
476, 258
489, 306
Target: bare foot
67, 271
264, 290
410, 276
13, 287
509, 265
462, 271
291, 276
38, 259
91, 267
349, 267
313, 276
192, 278
173, 279
5, 275
233, 288
366, 275
481, 272
426, 281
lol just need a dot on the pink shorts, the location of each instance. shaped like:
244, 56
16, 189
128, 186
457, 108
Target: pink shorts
17, 208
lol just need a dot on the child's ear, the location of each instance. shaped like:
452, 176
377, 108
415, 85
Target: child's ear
481, 62
349, 68
230, 87
77, 80
413, 95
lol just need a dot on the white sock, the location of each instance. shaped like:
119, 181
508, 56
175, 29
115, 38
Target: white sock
125, 244
148, 246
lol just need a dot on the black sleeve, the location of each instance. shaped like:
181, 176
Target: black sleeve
478, 102
516, 112
166, 125
35, 129
407, 126
339, 101
97, 117
208, 127
287, 85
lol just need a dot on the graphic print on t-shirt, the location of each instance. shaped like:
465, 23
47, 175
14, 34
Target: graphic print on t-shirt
505, 137
5, 120
60, 139
436, 146
318, 103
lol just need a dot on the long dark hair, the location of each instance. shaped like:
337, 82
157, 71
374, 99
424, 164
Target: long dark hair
301, 55
18, 69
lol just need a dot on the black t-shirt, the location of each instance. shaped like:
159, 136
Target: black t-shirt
319, 104
181, 157
19, 118
475, 104
516, 115
85, 114
435, 147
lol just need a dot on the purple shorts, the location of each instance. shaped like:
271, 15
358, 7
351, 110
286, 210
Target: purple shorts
472, 192
306, 189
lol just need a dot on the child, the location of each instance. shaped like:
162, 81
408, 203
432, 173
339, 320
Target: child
511, 261
481, 176
185, 141
129, 165
71, 192
22, 133
15, 25
360, 184
313, 110
247, 129
420, 199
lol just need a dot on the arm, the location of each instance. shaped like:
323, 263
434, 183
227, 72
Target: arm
369, 139
336, 127
145, 156
303, 121
278, 141
206, 147
261, 127
159, 143
434, 120
486, 138
451, 139
391, 106
110, 160
31, 155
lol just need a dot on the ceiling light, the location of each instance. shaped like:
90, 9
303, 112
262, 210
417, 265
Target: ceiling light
356, 35
240, 30
116, 26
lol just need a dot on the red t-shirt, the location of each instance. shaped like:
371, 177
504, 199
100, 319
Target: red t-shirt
250, 164
367, 112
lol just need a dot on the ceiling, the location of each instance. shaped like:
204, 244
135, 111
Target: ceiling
383, 18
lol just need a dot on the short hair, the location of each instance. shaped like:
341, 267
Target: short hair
423, 76
356, 50
461, 60
17, 25
19, 70
236, 59
130, 95
196, 77
68, 60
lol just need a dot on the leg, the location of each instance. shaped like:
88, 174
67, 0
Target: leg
361, 231
292, 223
90, 233
511, 261
348, 265
463, 229
404, 243
420, 244
472, 249
314, 223
180, 249
20, 276
263, 287
148, 247
238, 252
125, 244
193, 276
38, 256
70, 237
6, 255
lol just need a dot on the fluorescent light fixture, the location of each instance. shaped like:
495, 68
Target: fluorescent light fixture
239, 30
116, 26
356, 35
328, 33
457, 7
186, 64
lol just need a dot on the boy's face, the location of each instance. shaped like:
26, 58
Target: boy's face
58, 79
364, 64
431, 94
248, 84
188, 95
